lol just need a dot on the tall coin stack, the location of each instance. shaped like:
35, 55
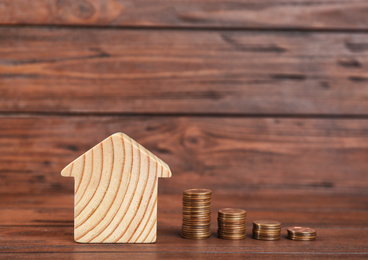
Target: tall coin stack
231, 223
301, 233
266, 230
196, 214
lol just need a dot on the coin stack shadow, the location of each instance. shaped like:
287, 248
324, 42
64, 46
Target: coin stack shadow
196, 214
301, 233
231, 223
266, 230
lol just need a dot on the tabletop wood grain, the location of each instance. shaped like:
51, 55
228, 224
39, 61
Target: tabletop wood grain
44, 228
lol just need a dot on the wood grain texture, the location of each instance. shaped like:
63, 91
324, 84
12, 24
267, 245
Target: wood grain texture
195, 72
310, 14
90, 68
115, 192
233, 154
46, 230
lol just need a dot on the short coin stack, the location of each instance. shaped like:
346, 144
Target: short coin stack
231, 223
266, 230
196, 214
301, 233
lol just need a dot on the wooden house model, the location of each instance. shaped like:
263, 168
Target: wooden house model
115, 194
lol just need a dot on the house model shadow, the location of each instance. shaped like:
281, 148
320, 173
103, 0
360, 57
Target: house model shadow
115, 192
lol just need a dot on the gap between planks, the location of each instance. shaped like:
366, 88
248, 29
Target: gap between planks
220, 115
187, 28
186, 252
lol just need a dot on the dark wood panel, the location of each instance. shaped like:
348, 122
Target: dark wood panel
340, 222
237, 154
145, 71
324, 14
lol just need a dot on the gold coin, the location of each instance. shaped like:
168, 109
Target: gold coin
240, 231
227, 222
231, 219
192, 204
197, 217
266, 223
267, 231
196, 197
191, 222
207, 223
197, 201
196, 237
193, 215
231, 223
197, 192
267, 239
302, 239
232, 237
265, 235
187, 223
231, 212
195, 230
310, 235
230, 231
197, 211
232, 226
301, 233
197, 207
196, 214
301, 230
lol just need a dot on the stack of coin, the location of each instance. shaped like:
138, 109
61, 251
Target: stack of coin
266, 230
196, 214
301, 233
231, 223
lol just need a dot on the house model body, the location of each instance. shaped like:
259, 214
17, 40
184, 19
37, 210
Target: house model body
115, 192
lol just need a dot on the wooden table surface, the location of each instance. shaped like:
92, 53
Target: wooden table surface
264, 102
36, 227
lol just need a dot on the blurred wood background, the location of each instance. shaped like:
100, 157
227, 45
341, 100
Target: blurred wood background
265, 102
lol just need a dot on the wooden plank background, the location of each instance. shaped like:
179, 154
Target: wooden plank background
192, 72
224, 154
265, 102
